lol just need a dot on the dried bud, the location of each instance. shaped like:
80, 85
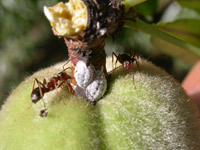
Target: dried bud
67, 19
86, 20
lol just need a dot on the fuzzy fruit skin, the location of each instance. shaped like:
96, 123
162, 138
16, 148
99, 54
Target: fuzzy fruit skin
155, 115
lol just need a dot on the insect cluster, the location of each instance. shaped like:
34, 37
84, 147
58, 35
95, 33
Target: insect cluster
84, 24
91, 83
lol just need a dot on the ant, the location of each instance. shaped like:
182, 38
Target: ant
45, 87
127, 61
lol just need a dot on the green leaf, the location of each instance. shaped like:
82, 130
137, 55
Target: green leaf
175, 51
187, 30
154, 31
147, 8
193, 4
130, 3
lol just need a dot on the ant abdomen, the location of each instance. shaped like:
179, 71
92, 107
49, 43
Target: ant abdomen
35, 95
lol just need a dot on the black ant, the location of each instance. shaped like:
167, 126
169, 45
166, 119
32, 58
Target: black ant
45, 87
127, 61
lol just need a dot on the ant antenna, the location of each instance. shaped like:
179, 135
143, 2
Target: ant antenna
66, 68
66, 64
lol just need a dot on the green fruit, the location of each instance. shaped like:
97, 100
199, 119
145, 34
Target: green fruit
155, 115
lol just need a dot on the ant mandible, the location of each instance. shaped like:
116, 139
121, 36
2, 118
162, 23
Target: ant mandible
127, 61
38, 93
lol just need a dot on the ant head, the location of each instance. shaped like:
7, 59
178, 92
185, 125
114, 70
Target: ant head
60, 75
127, 65
63, 76
35, 95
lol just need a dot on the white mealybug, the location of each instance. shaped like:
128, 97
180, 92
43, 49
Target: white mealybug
97, 88
79, 91
83, 75
91, 83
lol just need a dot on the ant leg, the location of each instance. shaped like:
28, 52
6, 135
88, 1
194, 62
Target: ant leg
133, 79
136, 59
132, 70
66, 64
43, 112
116, 63
113, 54
68, 85
56, 86
44, 82
137, 64
33, 85
39, 86
62, 88
41, 92
38, 83
59, 86
70, 88
132, 52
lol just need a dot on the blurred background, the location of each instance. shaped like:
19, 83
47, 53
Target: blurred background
27, 43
